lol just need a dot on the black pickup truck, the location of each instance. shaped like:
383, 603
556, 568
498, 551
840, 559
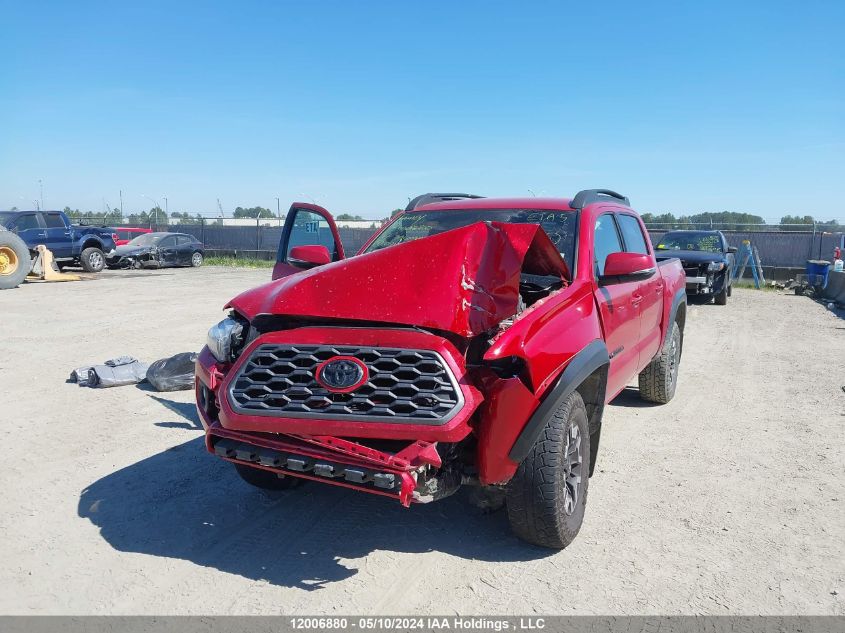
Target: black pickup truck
707, 259
69, 243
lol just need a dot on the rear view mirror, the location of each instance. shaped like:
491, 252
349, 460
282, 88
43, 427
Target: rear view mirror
624, 267
309, 256
732, 249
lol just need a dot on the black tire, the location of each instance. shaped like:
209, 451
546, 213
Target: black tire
547, 496
659, 379
196, 259
721, 299
92, 260
15, 262
266, 480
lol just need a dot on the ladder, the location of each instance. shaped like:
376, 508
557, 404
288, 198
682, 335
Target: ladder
749, 254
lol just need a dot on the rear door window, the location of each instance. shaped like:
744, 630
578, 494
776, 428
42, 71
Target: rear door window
26, 222
632, 234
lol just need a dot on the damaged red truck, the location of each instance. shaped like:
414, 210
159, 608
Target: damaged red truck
471, 341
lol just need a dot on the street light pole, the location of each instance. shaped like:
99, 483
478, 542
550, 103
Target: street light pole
166, 209
156, 209
41, 193
278, 212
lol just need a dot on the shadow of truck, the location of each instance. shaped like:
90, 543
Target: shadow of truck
182, 503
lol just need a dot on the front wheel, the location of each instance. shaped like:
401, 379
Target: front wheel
547, 496
659, 378
265, 479
721, 299
196, 259
92, 260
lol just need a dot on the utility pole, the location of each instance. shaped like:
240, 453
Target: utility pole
166, 210
121, 203
41, 193
278, 212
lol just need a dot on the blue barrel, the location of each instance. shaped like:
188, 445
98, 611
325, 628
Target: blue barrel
817, 272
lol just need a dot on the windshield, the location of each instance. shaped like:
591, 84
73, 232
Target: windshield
691, 241
559, 225
148, 239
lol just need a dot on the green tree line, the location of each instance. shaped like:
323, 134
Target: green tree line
727, 220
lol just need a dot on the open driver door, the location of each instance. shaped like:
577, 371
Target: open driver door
310, 238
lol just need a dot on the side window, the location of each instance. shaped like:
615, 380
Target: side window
606, 240
183, 240
311, 228
632, 234
25, 222
53, 221
167, 242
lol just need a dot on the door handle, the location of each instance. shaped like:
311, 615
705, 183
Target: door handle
636, 299
68, 233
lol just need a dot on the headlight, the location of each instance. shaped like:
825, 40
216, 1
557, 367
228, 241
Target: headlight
220, 337
714, 266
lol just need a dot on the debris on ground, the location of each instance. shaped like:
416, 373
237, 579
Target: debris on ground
174, 373
115, 372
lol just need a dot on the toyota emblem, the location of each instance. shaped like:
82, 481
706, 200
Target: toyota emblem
342, 374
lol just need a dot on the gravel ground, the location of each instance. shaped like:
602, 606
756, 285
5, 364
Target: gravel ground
729, 500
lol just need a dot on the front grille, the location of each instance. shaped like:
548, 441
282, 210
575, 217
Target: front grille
693, 271
412, 386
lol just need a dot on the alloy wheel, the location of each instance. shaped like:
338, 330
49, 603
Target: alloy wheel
572, 470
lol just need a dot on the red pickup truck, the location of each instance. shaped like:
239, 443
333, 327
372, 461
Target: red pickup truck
471, 341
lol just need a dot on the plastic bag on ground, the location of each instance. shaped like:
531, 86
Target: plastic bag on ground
174, 373
116, 372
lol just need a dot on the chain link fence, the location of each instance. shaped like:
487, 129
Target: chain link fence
783, 248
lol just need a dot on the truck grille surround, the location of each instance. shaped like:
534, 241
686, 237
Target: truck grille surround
404, 385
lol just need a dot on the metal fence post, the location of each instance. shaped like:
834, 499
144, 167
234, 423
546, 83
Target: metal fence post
257, 236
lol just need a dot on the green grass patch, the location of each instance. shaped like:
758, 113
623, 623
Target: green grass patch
749, 284
239, 262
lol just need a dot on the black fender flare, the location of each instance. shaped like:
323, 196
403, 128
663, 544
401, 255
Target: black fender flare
679, 298
584, 363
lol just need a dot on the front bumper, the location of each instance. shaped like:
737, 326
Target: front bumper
332, 450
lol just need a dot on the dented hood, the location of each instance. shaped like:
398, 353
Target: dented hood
464, 281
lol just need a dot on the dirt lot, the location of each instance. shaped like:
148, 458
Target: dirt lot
728, 500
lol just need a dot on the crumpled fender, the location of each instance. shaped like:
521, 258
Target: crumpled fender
463, 281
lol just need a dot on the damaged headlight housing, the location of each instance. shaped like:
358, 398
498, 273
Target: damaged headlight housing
223, 337
714, 266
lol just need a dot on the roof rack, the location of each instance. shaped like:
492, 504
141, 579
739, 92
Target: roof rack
588, 196
427, 198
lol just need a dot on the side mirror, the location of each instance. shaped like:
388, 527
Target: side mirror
732, 249
620, 268
309, 256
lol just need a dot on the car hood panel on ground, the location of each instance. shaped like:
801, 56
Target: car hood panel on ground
464, 281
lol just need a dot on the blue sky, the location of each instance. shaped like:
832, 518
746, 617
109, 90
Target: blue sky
684, 107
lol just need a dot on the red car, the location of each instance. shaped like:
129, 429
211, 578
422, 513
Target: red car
123, 235
471, 341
